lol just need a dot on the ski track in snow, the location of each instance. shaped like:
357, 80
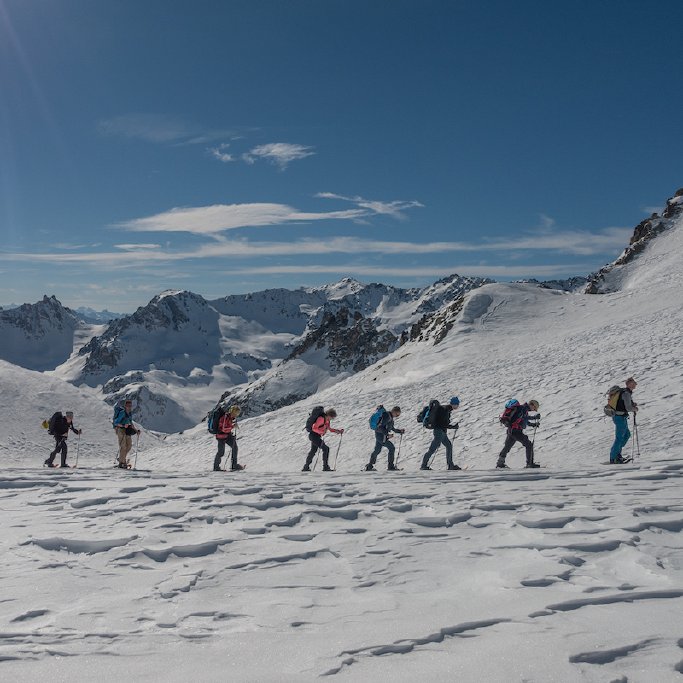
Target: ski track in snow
345, 576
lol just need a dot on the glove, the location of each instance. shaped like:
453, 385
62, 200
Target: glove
455, 426
341, 431
79, 432
401, 431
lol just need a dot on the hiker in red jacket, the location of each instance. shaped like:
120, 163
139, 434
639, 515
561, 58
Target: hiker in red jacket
319, 426
225, 434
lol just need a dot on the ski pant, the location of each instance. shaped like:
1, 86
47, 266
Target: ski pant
125, 444
318, 443
60, 447
382, 441
232, 442
621, 435
440, 438
517, 436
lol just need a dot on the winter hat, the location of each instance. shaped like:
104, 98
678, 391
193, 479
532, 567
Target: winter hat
455, 401
69, 413
534, 404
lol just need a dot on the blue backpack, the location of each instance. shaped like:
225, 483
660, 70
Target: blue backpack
213, 418
119, 410
376, 417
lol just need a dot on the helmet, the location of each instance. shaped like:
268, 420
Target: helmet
455, 401
534, 404
235, 411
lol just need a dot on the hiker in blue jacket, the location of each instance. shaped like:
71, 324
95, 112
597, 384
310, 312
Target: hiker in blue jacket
383, 433
441, 424
124, 427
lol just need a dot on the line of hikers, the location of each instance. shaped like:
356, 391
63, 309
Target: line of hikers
435, 416
222, 422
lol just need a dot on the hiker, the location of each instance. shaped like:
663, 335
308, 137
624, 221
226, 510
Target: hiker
516, 418
384, 421
438, 418
59, 426
319, 420
622, 434
123, 424
226, 435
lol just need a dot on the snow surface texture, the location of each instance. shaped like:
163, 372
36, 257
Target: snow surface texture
569, 573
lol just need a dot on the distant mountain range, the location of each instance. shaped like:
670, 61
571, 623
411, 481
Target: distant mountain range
181, 353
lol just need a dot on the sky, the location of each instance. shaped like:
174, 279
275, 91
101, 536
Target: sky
232, 146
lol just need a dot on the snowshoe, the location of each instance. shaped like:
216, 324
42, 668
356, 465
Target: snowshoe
532, 465
237, 468
305, 468
426, 467
454, 467
370, 468
47, 463
501, 466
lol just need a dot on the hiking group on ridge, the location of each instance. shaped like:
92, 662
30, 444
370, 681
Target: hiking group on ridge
222, 422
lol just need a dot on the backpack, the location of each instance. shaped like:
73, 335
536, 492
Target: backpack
510, 412
376, 417
119, 410
213, 417
427, 416
317, 412
52, 423
613, 396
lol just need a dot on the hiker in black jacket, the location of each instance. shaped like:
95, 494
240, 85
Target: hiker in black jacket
383, 433
442, 423
59, 426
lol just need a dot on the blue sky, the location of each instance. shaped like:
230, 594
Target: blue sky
231, 146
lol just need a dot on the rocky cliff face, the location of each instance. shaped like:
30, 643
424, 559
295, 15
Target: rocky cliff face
606, 279
38, 336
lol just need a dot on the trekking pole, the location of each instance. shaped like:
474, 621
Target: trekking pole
336, 455
635, 444
398, 450
315, 462
78, 447
137, 441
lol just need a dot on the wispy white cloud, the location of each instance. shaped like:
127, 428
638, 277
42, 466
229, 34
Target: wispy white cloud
135, 247
395, 209
213, 220
540, 270
279, 153
220, 153
160, 129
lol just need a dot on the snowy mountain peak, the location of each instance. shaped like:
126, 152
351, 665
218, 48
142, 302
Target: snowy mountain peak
617, 275
38, 336
340, 289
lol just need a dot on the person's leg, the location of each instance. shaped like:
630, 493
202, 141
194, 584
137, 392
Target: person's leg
509, 442
326, 455
51, 457
522, 438
219, 454
449, 448
626, 435
436, 442
379, 442
121, 436
621, 436
64, 451
232, 442
392, 449
315, 444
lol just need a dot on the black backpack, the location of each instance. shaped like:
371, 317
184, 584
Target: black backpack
52, 424
317, 412
427, 416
